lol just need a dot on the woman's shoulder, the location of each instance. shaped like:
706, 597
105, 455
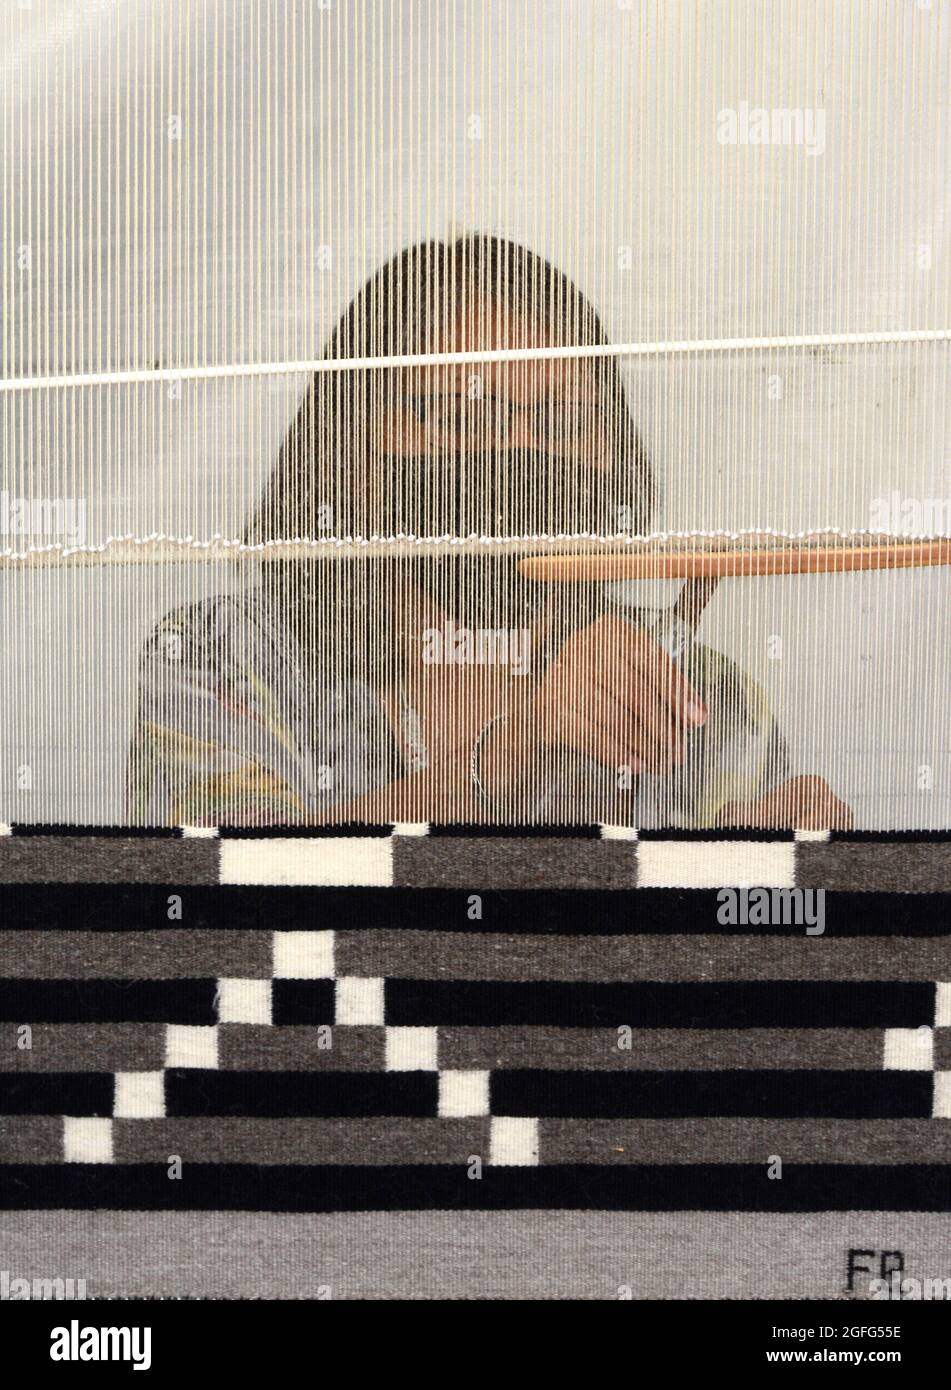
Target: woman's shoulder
219, 630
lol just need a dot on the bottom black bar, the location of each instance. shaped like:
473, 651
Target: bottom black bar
433, 1187
714, 1338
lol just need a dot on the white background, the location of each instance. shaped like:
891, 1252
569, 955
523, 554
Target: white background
349, 126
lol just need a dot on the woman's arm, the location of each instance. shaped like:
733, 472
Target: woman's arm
613, 697
610, 695
801, 803
209, 744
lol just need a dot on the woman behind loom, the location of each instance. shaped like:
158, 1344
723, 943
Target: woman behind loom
446, 687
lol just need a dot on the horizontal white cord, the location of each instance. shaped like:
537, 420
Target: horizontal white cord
122, 549
133, 377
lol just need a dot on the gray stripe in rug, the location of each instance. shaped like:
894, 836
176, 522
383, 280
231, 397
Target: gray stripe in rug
29, 1139
695, 1049
513, 862
170, 954
471, 1255
107, 859
455, 955
386, 1140
79, 1047
744, 1140
261, 1047
906, 867
111, 1047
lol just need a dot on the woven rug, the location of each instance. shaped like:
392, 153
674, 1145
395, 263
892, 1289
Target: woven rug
427, 1062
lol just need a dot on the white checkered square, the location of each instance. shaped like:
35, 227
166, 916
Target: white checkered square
347, 861
190, 1045
463, 1093
411, 1049
359, 999
303, 955
909, 1049
941, 1109
140, 1095
513, 1141
716, 864
87, 1139
942, 1004
244, 1001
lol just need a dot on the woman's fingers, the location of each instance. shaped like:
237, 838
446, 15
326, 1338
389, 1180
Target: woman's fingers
646, 724
802, 803
809, 803
599, 744
617, 650
626, 685
636, 649
600, 727
641, 725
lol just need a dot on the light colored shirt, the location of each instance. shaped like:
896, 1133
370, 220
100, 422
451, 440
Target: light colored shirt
232, 730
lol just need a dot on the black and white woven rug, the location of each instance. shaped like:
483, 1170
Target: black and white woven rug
444, 1062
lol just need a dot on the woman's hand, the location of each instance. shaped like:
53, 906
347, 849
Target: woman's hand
611, 693
802, 803
614, 695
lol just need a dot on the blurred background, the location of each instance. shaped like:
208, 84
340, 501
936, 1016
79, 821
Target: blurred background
204, 182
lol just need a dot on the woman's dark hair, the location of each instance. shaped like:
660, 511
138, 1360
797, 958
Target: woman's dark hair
323, 467
331, 465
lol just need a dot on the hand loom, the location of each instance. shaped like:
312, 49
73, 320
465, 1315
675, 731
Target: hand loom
703, 564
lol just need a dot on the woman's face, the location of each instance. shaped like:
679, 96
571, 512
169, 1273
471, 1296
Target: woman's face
547, 405
494, 448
